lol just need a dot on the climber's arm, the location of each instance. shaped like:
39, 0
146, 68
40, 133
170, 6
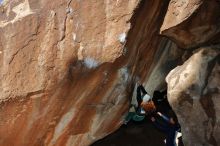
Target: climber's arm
142, 89
159, 125
139, 98
169, 120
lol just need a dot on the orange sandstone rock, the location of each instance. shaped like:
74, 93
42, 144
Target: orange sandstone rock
192, 23
68, 68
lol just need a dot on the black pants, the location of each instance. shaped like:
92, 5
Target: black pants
170, 131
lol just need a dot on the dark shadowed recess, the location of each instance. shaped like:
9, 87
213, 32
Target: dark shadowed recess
134, 134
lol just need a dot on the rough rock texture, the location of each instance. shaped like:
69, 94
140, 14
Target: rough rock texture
194, 93
193, 88
40, 40
167, 57
67, 68
191, 23
55, 87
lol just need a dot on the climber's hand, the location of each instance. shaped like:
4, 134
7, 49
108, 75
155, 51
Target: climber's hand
138, 83
172, 121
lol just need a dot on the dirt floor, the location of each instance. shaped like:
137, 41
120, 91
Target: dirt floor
134, 134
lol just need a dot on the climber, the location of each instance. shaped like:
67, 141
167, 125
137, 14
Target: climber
161, 102
136, 111
159, 111
165, 119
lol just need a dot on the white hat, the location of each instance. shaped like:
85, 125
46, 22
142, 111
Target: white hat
146, 98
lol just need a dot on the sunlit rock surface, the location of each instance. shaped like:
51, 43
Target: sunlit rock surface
68, 68
191, 23
194, 94
55, 86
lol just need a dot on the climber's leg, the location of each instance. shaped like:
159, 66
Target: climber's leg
171, 136
161, 127
130, 114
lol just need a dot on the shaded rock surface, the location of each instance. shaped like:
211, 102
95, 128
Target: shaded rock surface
193, 88
194, 94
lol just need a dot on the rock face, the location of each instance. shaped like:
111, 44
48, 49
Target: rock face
191, 23
194, 94
40, 40
193, 88
68, 68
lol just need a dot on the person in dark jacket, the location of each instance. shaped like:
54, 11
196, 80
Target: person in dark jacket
164, 118
159, 111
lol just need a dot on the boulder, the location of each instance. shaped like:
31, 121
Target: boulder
193, 92
192, 23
